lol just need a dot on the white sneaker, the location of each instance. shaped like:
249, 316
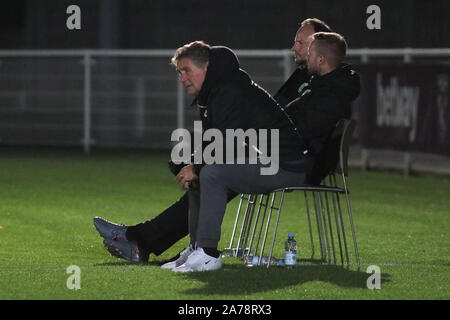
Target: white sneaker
200, 261
181, 259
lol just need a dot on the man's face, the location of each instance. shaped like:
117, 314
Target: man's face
191, 76
300, 47
313, 60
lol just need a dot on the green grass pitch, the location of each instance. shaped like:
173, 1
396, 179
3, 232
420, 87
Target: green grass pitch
48, 200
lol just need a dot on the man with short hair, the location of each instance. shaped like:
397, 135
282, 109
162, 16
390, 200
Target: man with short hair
289, 90
325, 52
232, 101
156, 235
329, 92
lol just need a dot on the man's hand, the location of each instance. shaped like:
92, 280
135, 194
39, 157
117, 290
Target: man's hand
186, 175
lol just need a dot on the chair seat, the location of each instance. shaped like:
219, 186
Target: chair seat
320, 188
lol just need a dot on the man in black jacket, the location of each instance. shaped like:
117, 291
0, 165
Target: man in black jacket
233, 101
229, 99
160, 233
326, 97
289, 90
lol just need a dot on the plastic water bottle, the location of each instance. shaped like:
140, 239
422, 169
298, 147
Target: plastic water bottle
248, 260
290, 253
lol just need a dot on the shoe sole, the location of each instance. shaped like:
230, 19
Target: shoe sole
184, 269
168, 266
117, 253
108, 246
113, 250
173, 264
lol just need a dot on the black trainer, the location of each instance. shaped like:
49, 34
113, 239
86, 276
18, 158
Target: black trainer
109, 230
116, 242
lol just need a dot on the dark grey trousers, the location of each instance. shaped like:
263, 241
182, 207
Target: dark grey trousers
207, 205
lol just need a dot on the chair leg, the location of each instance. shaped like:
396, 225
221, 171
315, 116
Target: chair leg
238, 249
351, 221
269, 217
309, 225
276, 227
248, 217
330, 225
343, 230
319, 227
338, 229
238, 213
324, 221
344, 237
260, 231
262, 197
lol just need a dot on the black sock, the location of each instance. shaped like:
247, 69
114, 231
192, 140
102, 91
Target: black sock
213, 252
131, 233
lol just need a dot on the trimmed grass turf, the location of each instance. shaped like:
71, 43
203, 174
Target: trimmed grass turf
48, 200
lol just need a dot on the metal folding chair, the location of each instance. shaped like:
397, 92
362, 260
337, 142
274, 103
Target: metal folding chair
254, 225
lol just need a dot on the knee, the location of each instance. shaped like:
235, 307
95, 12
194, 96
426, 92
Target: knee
210, 173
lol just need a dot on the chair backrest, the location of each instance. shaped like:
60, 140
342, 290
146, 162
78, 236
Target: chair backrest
334, 155
348, 127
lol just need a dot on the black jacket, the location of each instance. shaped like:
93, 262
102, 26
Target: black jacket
322, 102
289, 90
229, 99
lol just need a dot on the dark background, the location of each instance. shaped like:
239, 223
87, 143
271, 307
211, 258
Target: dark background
251, 24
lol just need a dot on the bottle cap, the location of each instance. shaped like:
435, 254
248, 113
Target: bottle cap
290, 235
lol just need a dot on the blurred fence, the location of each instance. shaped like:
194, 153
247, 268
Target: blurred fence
110, 98
131, 98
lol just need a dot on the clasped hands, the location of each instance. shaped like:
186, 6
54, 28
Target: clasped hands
186, 175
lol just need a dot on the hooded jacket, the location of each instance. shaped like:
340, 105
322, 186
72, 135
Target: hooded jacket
289, 90
322, 102
229, 99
